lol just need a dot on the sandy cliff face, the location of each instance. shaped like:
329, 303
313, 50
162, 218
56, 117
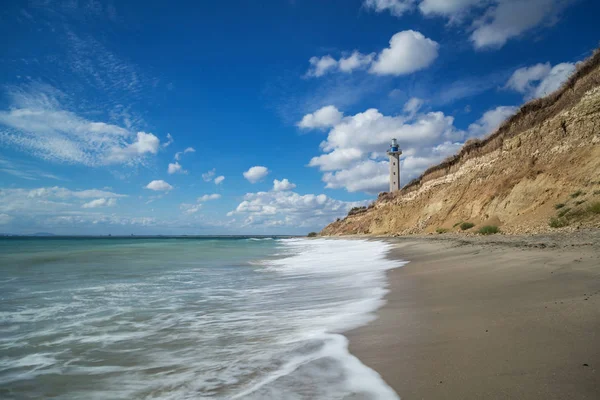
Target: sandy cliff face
546, 155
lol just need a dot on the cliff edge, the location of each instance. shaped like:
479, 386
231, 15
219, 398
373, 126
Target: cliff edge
539, 172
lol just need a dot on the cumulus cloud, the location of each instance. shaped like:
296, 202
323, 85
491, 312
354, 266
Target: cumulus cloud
159, 186
493, 22
320, 65
103, 202
409, 52
540, 80
36, 123
287, 208
325, 117
175, 168
208, 176
510, 18
169, 141
219, 180
208, 197
282, 185
491, 120
449, 8
395, 7
51, 200
180, 153
256, 173
353, 155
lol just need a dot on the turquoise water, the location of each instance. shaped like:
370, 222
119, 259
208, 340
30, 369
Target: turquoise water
177, 318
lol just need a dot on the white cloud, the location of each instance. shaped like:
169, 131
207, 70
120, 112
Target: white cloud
169, 141
103, 202
355, 61
208, 197
37, 124
354, 155
5, 219
510, 18
159, 185
256, 173
367, 176
180, 153
190, 208
409, 51
325, 117
282, 185
208, 176
493, 22
395, 7
320, 65
491, 120
176, 168
50, 200
540, 80
219, 180
448, 8
413, 105
286, 208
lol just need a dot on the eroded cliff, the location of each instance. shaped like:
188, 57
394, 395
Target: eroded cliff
539, 171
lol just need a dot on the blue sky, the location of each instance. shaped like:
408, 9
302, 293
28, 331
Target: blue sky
238, 118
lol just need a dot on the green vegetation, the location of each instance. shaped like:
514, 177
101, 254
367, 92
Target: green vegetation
457, 224
578, 202
441, 230
558, 222
559, 205
312, 234
466, 225
594, 208
577, 194
489, 230
563, 212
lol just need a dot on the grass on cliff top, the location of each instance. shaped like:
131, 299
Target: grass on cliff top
466, 225
489, 230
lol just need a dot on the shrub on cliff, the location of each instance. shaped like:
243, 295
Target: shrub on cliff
312, 234
489, 230
466, 225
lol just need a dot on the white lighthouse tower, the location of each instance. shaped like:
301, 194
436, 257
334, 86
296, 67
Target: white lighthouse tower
394, 152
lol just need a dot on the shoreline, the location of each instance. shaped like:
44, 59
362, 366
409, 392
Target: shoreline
501, 317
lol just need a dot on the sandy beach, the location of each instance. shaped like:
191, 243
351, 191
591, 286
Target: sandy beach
495, 317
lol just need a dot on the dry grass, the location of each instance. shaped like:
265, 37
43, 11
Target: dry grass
529, 115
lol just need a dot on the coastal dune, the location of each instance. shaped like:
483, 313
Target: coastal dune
489, 318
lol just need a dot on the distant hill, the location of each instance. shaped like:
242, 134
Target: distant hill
540, 171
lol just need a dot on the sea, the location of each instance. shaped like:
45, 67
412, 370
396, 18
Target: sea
188, 318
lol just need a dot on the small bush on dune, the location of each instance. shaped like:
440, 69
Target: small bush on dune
441, 230
466, 225
559, 205
557, 222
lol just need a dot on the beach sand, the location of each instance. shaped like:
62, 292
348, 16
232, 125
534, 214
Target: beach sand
489, 318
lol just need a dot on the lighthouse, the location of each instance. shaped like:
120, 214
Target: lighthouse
394, 152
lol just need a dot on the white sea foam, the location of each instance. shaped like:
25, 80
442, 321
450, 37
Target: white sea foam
177, 327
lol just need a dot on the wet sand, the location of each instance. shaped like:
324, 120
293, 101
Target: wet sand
489, 318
